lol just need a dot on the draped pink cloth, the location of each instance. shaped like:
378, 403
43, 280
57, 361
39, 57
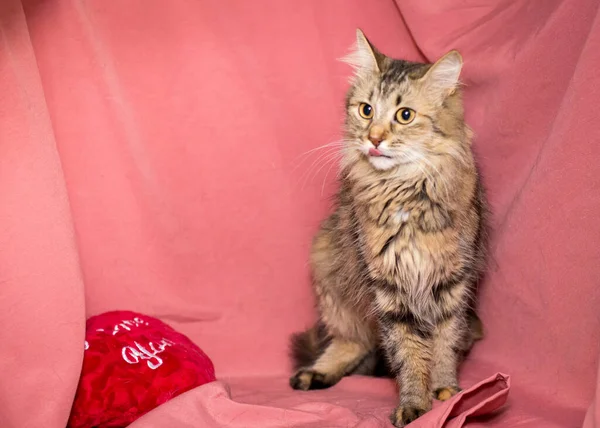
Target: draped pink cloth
151, 159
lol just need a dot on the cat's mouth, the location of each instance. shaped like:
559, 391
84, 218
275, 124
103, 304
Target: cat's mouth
377, 153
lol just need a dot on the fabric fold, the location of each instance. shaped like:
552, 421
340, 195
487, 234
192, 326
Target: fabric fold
213, 406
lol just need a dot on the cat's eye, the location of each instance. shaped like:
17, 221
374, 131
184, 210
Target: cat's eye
365, 110
405, 115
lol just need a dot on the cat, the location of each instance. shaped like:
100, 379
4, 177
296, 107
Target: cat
395, 266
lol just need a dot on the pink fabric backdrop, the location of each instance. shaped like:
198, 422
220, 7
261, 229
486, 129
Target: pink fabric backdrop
149, 161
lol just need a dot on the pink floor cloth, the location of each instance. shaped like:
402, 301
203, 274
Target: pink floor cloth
153, 157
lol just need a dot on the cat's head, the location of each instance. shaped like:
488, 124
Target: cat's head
400, 112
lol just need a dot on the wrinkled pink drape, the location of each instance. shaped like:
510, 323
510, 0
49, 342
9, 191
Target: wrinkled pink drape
151, 160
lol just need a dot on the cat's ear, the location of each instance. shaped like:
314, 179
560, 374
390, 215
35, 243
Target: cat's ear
441, 79
364, 57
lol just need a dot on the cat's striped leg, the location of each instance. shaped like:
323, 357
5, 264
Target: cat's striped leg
408, 345
448, 337
454, 333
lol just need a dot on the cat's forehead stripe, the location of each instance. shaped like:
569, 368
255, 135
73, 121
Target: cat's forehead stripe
396, 72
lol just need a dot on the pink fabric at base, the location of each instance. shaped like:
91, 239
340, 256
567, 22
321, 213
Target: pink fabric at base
155, 157
213, 406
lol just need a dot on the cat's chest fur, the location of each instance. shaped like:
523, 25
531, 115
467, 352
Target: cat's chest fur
406, 233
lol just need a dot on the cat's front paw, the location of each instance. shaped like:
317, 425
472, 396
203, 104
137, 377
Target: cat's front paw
403, 415
446, 393
306, 379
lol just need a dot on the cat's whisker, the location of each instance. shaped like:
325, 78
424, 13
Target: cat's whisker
330, 144
300, 159
349, 156
319, 157
326, 174
338, 145
328, 159
323, 159
317, 164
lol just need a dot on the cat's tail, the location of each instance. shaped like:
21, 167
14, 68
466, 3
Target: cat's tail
307, 346
474, 334
475, 326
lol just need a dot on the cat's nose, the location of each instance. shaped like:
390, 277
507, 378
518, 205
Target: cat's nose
376, 140
376, 134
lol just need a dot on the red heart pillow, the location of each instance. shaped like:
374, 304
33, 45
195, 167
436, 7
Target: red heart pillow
133, 363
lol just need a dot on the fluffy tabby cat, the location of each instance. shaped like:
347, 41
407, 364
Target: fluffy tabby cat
396, 265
